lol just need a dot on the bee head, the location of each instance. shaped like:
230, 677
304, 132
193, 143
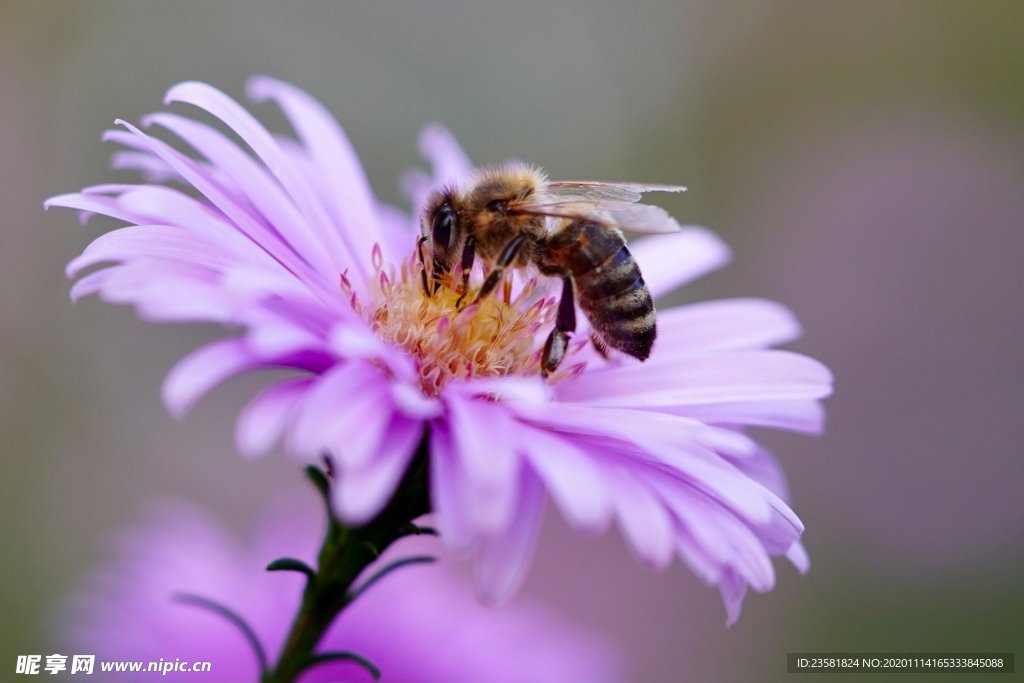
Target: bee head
442, 229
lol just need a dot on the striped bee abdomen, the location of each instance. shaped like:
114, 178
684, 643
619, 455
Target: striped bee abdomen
609, 286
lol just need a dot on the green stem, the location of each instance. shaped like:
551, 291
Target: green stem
345, 553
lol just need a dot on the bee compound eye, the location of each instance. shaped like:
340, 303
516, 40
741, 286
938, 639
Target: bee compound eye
443, 227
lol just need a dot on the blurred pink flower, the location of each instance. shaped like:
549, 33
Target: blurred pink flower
419, 624
291, 247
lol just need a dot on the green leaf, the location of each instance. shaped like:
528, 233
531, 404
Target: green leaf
324, 657
290, 564
418, 559
231, 616
320, 481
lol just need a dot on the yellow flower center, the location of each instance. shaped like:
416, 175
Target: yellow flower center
453, 339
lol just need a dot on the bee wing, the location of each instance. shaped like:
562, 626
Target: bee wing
597, 191
621, 214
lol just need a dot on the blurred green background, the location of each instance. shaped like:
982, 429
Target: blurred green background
864, 159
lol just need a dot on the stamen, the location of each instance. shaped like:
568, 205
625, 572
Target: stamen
493, 337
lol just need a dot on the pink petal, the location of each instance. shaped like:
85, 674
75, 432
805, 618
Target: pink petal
172, 298
279, 337
724, 325
648, 430
572, 477
670, 261
797, 555
398, 233
263, 283
726, 539
483, 446
752, 562
128, 139
508, 388
417, 185
264, 420
359, 341
411, 402
262, 143
765, 469
361, 492
447, 492
643, 436
781, 530
504, 558
733, 590
345, 413
91, 283
442, 150
164, 291
348, 193
153, 169
450, 165
159, 242
806, 416
199, 178
644, 521
259, 188
203, 369
164, 205
357, 434
644, 439
98, 204
310, 314
696, 556
707, 377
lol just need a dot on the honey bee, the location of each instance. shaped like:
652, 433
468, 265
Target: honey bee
514, 217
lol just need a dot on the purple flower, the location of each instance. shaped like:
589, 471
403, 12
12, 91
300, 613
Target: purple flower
419, 624
285, 243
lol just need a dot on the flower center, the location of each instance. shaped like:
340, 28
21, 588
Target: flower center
451, 339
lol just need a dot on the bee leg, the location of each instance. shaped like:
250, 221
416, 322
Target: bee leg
468, 254
565, 323
427, 289
505, 259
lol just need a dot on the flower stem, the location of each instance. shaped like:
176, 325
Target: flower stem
345, 553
